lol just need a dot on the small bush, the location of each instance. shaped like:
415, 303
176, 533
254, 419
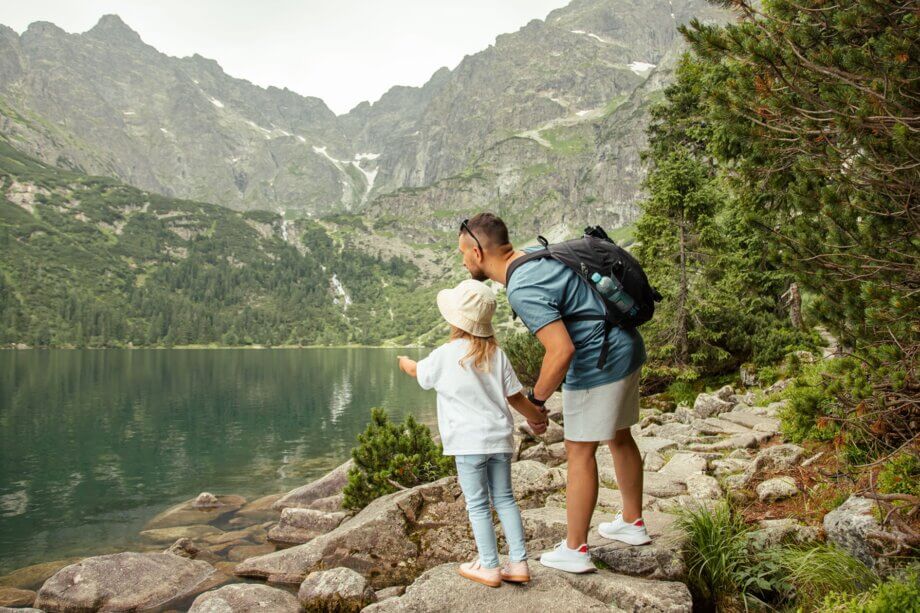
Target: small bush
390, 456
817, 570
901, 475
901, 595
715, 552
526, 355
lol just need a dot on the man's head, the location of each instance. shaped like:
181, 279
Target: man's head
484, 244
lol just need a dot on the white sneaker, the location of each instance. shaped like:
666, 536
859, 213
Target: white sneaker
569, 560
618, 530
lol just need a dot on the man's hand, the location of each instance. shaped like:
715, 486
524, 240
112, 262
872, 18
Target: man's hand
407, 365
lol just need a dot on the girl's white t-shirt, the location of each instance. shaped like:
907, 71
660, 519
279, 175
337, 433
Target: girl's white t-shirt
473, 413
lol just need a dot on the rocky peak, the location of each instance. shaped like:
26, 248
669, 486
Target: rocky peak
111, 28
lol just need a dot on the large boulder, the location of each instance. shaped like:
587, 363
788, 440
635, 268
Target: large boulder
330, 484
15, 597
340, 589
848, 526
441, 589
683, 464
391, 541
245, 598
551, 455
191, 512
124, 582
297, 526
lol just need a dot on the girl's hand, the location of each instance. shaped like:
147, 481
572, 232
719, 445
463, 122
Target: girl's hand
538, 427
407, 365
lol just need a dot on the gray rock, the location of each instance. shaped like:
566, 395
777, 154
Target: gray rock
15, 597
124, 582
729, 466
707, 405
392, 540
183, 547
187, 514
725, 392
532, 482
848, 527
703, 487
440, 590
245, 598
551, 455
648, 444
171, 535
755, 422
660, 560
329, 484
777, 458
206, 500
20, 610
716, 425
653, 461
780, 488
748, 375
683, 464
775, 532
391, 592
633, 593
297, 526
779, 386
736, 441
339, 589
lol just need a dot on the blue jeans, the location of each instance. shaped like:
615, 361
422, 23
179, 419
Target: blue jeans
480, 477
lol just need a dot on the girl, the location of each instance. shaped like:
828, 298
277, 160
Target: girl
475, 383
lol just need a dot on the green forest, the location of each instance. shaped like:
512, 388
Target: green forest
90, 262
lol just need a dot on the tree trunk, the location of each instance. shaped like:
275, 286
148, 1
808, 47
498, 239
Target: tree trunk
795, 307
683, 345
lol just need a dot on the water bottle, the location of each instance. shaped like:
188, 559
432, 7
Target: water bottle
613, 291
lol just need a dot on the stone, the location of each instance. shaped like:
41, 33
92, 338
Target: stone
206, 500
725, 392
440, 589
298, 526
682, 502
20, 610
707, 405
729, 466
775, 532
329, 504
659, 560
391, 592
339, 589
779, 488
187, 514
238, 553
849, 525
330, 484
32, 577
683, 464
777, 458
703, 487
260, 508
648, 444
183, 547
551, 455
124, 581
736, 441
532, 482
171, 535
391, 541
15, 597
245, 598
778, 387
653, 461
748, 375
749, 420
632, 593
716, 425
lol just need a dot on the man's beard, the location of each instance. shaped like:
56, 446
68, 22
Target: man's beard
478, 275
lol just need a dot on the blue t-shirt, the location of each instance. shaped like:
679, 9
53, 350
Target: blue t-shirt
543, 291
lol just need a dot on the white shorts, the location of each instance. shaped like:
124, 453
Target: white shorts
595, 414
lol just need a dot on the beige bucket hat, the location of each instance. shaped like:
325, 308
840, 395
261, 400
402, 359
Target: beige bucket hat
469, 306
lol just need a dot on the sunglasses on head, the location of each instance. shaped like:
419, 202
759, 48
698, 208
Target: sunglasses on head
465, 227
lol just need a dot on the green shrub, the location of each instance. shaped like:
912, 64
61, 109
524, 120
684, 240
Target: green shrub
391, 456
901, 475
900, 594
526, 355
715, 552
818, 570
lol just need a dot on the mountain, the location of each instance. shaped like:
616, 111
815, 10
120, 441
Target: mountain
525, 126
89, 261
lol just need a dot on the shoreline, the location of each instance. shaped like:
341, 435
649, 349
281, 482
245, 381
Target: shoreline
187, 347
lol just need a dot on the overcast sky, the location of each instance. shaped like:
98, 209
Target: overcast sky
343, 51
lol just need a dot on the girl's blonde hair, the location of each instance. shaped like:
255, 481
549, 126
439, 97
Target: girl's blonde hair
482, 348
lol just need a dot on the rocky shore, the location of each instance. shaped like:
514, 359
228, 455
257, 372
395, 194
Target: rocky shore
302, 551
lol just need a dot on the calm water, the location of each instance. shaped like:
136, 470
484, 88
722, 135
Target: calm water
94, 443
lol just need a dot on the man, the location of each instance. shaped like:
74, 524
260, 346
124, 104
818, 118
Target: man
598, 404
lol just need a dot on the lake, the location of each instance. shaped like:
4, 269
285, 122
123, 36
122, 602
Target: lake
93, 443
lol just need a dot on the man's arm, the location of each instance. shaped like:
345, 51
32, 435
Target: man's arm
559, 351
532, 413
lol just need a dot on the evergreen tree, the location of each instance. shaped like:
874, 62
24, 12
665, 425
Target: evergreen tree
392, 456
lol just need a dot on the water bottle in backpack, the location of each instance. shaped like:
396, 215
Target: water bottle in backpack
612, 290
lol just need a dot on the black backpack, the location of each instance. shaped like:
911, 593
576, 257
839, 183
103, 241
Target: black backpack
596, 252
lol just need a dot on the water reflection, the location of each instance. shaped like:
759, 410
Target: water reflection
93, 443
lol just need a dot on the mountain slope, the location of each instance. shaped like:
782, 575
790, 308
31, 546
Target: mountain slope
88, 261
